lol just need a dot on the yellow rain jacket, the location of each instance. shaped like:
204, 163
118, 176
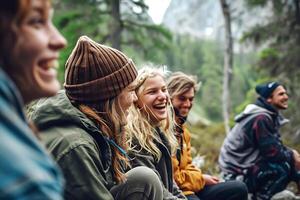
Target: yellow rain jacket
187, 176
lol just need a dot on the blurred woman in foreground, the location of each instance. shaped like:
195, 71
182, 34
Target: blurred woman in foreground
29, 51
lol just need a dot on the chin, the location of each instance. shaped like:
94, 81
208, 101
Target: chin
184, 115
282, 107
50, 90
161, 118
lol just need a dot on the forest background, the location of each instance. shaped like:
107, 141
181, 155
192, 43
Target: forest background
191, 38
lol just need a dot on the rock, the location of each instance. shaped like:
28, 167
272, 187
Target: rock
285, 195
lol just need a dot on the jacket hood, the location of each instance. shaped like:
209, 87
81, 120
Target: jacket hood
59, 110
250, 110
261, 106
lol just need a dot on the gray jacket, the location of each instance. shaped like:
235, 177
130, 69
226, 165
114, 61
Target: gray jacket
254, 138
66, 132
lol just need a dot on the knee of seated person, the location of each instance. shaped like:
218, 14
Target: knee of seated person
238, 187
143, 175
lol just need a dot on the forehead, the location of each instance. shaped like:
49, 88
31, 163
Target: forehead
154, 81
40, 5
189, 93
279, 89
43, 3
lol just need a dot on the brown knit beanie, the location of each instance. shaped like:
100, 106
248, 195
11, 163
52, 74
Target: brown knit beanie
96, 72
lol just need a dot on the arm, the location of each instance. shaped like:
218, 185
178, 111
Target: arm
144, 159
269, 142
81, 167
296, 157
187, 176
210, 180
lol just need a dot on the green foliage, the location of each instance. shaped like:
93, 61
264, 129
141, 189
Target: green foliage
280, 58
207, 141
204, 59
143, 42
268, 53
253, 3
93, 18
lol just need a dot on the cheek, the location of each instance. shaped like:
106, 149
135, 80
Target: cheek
129, 100
31, 44
25, 56
22, 66
147, 101
177, 104
143, 102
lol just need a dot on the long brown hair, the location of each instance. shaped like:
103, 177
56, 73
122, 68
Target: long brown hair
12, 14
110, 119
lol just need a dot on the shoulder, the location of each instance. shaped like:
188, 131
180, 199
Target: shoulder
186, 133
10, 98
261, 118
22, 156
62, 140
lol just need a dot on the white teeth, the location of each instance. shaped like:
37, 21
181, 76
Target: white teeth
53, 63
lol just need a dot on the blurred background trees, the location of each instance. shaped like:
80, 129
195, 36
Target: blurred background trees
191, 38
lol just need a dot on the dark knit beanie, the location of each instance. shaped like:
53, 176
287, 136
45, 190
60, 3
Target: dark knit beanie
265, 90
96, 72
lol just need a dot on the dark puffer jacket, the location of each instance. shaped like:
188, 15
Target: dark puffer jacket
255, 138
162, 167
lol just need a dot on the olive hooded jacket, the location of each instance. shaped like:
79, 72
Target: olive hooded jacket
66, 132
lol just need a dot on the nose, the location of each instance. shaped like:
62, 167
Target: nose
286, 96
57, 41
187, 103
162, 95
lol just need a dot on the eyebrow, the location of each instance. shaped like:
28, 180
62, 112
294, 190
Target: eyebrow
155, 88
42, 9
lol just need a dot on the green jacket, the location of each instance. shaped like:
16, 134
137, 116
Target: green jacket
66, 132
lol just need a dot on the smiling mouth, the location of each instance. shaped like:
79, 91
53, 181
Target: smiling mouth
46, 65
159, 106
47, 69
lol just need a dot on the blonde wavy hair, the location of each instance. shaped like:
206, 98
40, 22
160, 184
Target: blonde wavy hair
141, 134
110, 119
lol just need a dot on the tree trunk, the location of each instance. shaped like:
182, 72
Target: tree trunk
297, 11
115, 25
228, 60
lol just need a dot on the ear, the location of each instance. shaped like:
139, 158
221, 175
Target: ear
269, 100
136, 104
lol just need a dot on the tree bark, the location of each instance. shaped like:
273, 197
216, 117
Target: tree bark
115, 25
228, 61
297, 11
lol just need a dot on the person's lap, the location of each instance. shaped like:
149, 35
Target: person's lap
230, 190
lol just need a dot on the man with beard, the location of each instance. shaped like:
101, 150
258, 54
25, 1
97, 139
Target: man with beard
194, 184
253, 150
